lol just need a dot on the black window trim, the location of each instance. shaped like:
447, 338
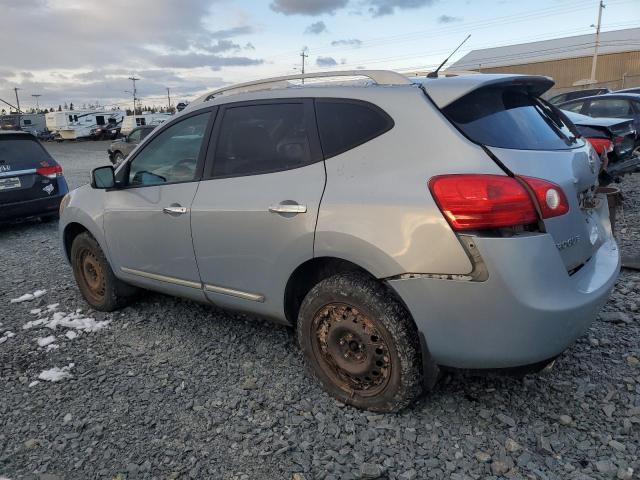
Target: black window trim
312, 131
353, 101
123, 173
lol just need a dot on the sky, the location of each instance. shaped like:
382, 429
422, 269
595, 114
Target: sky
83, 51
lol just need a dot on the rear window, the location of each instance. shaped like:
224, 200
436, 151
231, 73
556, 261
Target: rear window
21, 150
345, 124
510, 118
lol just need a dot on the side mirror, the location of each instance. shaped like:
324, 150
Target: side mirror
103, 177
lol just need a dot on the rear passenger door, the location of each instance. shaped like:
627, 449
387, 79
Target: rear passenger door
254, 215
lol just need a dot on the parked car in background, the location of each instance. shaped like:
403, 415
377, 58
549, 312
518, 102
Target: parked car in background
400, 225
614, 139
119, 149
110, 131
612, 105
31, 181
635, 90
575, 94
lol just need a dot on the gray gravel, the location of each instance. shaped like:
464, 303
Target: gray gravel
174, 389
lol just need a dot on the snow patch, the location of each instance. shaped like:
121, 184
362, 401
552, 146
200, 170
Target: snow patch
35, 311
9, 334
56, 374
77, 321
71, 334
53, 306
29, 296
53, 346
34, 323
44, 341
32, 384
68, 320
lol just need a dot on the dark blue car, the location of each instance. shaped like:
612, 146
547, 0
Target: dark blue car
31, 181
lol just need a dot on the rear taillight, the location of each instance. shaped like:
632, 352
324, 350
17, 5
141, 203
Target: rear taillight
601, 145
478, 202
474, 202
550, 198
50, 172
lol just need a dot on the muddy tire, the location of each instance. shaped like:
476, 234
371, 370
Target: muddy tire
93, 274
360, 343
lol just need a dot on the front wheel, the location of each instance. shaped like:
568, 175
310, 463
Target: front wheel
95, 278
360, 343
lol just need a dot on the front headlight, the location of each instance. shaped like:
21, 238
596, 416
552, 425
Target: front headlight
63, 204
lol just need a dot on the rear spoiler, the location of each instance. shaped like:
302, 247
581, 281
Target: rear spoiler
444, 91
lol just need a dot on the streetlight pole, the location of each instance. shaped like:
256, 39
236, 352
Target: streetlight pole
169, 97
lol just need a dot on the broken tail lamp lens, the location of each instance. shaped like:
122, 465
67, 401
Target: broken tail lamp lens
50, 172
601, 145
478, 202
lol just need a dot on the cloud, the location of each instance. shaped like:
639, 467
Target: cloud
307, 7
232, 32
352, 42
448, 19
316, 28
326, 62
221, 45
193, 60
379, 8
249, 46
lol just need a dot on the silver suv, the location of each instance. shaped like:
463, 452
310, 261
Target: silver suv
399, 225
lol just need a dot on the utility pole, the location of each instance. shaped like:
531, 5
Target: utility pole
304, 56
134, 80
169, 97
36, 95
17, 99
594, 63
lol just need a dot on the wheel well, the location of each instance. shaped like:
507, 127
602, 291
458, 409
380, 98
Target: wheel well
309, 274
71, 231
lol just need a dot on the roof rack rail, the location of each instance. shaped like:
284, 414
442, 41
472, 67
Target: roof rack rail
443, 73
380, 77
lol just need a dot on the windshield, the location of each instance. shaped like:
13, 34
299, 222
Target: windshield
510, 117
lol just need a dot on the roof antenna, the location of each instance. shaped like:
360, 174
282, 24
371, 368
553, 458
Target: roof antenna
434, 74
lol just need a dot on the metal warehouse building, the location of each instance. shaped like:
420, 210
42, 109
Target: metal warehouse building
567, 60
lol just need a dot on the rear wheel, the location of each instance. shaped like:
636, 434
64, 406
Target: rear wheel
360, 343
95, 278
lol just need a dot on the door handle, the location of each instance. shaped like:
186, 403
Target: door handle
174, 210
284, 208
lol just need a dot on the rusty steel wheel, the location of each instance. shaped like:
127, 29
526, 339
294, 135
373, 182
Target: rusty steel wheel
92, 274
99, 286
351, 349
360, 343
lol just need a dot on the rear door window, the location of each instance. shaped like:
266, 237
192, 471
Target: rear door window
611, 108
256, 139
346, 124
575, 107
510, 118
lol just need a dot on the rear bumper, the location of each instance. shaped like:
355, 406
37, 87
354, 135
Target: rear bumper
528, 310
33, 208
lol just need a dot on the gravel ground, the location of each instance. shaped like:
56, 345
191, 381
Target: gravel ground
174, 389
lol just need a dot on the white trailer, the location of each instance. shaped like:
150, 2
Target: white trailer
132, 121
85, 124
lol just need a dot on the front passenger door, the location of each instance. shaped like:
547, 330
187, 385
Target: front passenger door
147, 220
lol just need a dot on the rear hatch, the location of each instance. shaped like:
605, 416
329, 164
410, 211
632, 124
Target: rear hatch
27, 171
527, 137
